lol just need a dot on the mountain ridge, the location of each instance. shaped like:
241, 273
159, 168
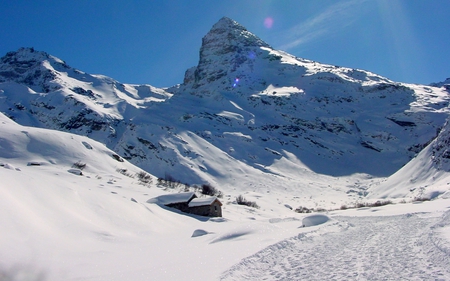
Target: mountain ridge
246, 111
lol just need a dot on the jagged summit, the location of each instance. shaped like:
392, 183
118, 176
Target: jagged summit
224, 48
225, 23
23, 54
28, 56
32, 68
231, 33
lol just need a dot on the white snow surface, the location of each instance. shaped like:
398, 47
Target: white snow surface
202, 201
314, 220
56, 225
166, 199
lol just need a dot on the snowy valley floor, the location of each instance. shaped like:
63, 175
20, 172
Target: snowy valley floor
88, 228
401, 247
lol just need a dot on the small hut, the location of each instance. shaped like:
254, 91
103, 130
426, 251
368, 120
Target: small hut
208, 206
178, 201
189, 203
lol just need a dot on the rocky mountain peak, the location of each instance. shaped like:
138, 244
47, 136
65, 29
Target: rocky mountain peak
25, 54
225, 23
32, 68
224, 48
230, 33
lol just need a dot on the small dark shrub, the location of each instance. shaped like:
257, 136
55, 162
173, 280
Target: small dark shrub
380, 203
117, 157
303, 210
169, 181
210, 190
360, 205
144, 178
79, 165
240, 200
375, 204
421, 199
124, 172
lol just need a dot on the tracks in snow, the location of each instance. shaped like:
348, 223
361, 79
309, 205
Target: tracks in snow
354, 248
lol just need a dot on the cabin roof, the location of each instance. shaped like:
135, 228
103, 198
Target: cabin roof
203, 201
166, 199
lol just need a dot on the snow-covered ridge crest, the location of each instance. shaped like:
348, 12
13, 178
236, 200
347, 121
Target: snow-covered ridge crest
445, 84
68, 98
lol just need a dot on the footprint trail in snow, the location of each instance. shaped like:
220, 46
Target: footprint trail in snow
402, 247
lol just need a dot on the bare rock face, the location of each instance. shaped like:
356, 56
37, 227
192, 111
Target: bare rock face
441, 149
226, 46
27, 66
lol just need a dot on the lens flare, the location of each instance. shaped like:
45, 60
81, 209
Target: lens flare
236, 81
268, 22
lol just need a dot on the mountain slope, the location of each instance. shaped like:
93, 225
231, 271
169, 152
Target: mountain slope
247, 116
424, 177
41, 90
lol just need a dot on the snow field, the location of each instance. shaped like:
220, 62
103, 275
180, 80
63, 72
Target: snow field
398, 247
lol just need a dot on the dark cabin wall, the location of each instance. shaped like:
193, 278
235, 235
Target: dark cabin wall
180, 206
213, 210
216, 209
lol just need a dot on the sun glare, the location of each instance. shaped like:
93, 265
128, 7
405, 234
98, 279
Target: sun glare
400, 38
236, 81
268, 22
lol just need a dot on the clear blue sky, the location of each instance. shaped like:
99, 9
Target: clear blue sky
155, 41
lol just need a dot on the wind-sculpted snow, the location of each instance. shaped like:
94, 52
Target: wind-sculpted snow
313, 220
354, 248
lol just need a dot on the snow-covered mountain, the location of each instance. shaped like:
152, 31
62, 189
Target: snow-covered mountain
287, 133
246, 117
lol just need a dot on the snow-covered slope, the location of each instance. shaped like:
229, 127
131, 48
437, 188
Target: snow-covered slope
247, 117
425, 177
40, 90
59, 225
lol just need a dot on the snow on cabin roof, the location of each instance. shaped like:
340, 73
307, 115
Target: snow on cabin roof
167, 199
202, 201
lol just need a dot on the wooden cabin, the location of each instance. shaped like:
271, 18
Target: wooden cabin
208, 206
189, 203
178, 201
